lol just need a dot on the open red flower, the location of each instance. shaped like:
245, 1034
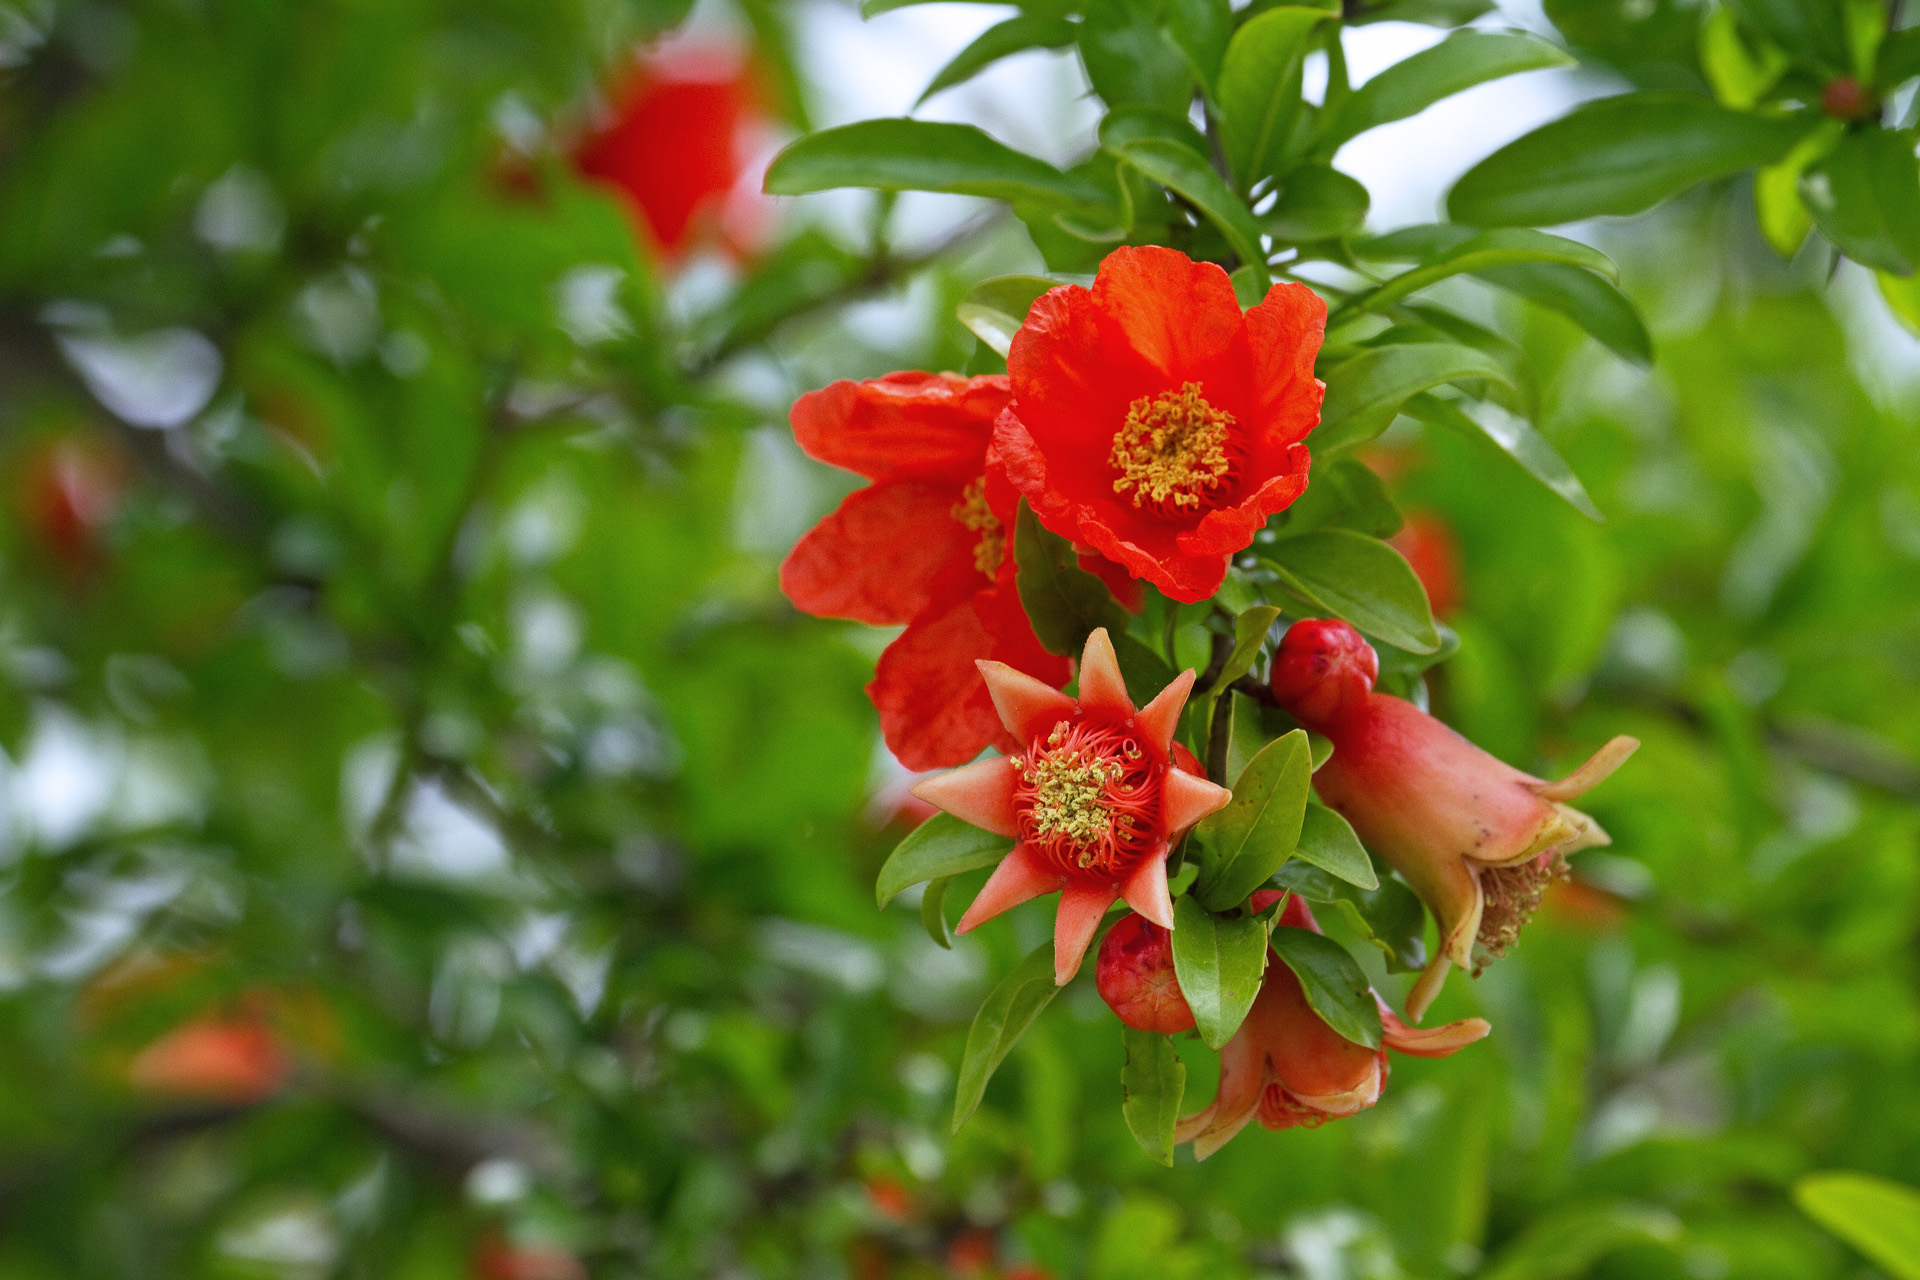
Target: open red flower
1094, 799
679, 144
1287, 1067
1154, 422
1476, 838
925, 544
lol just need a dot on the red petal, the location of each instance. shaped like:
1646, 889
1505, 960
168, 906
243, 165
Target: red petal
1186, 799
980, 793
1102, 688
1285, 332
1159, 718
1230, 529
1022, 875
1028, 708
1178, 314
925, 425
885, 556
1146, 889
1082, 905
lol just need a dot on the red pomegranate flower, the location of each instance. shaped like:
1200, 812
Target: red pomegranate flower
679, 144
925, 544
1478, 840
1155, 423
1288, 1068
1429, 545
1094, 798
236, 1060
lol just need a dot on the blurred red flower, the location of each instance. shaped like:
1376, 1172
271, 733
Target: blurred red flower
682, 135
497, 1258
1154, 422
237, 1059
71, 489
925, 544
1429, 545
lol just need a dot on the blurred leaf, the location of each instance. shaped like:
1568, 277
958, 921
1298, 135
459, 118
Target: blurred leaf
1878, 1217
1461, 61
940, 847
1903, 297
1188, 173
1360, 579
1260, 88
1899, 58
933, 911
1015, 35
1567, 1242
1516, 438
1365, 393
1328, 842
1128, 59
1245, 842
1218, 963
1008, 1011
1151, 1085
1809, 30
1739, 75
1333, 983
1317, 202
994, 310
1865, 194
1390, 917
1064, 602
1201, 30
1619, 155
921, 155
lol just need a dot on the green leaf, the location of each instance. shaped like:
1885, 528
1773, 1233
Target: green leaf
1566, 1243
1584, 298
1064, 602
1879, 1218
994, 310
1004, 1017
1739, 75
1501, 247
941, 846
1187, 172
1360, 579
1142, 669
1902, 294
1219, 963
1328, 842
1390, 917
1333, 983
1201, 29
1245, 842
1260, 88
1249, 633
1365, 393
1865, 194
1459, 62
1620, 155
1015, 35
1151, 1085
1317, 202
933, 912
1129, 60
921, 155
1345, 493
1515, 437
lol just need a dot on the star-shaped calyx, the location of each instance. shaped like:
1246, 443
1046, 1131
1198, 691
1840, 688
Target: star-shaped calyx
1094, 800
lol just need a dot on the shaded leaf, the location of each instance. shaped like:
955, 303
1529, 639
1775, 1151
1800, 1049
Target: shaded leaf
1260, 87
1515, 437
1390, 917
1865, 194
941, 846
1461, 61
1333, 983
1328, 842
994, 310
1500, 247
1245, 842
1567, 1243
1360, 579
1186, 171
933, 912
1015, 35
922, 155
1364, 393
1584, 298
1317, 202
1878, 1217
1151, 1085
1004, 1017
1064, 602
1219, 963
1129, 60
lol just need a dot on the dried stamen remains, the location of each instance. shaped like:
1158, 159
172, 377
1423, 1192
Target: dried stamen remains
1174, 453
1086, 798
1513, 894
974, 514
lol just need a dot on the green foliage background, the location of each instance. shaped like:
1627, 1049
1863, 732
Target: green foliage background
438, 672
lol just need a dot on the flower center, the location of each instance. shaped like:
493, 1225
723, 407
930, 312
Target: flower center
1087, 798
976, 517
1172, 456
1513, 894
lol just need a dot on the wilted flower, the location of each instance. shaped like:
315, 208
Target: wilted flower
1154, 422
1477, 839
926, 544
1094, 799
1288, 1068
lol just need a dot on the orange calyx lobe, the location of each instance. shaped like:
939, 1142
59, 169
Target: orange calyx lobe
976, 517
1087, 797
1174, 454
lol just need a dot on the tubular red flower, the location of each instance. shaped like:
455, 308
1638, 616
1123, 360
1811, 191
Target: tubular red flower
924, 545
1477, 839
1287, 1067
1136, 977
1095, 797
1156, 424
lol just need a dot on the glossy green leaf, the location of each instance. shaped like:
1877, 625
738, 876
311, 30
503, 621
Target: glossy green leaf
1878, 1217
1187, 172
1015, 35
1200, 29
1245, 842
1459, 62
1129, 59
1064, 602
1328, 842
1333, 983
1500, 247
1151, 1085
1389, 917
1584, 298
1004, 1017
1219, 963
1348, 494
939, 847
933, 912
1865, 195
1250, 629
1360, 579
922, 155
1515, 437
1317, 202
1260, 87
1619, 155
994, 310
1365, 393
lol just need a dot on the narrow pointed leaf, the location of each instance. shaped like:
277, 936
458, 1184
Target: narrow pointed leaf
1015, 35
1878, 1217
1515, 437
922, 155
1186, 171
1328, 842
1459, 62
1151, 1085
1364, 393
1390, 917
1584, 298
941, 846
1333, 983
1245, 842
933, 912
1865, 194
1008, 1011
1260, 87
1219, 963
1500, 247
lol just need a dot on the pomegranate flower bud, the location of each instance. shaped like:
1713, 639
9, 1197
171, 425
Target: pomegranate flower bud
1136, 978
1094, 800
1286, 1067
1478, 840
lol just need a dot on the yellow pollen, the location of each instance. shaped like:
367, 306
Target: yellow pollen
1512, 895
1069, 789
974, 515
1172, 451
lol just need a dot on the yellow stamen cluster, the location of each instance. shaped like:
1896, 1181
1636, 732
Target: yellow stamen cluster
1513, 894
1171, 454
974, 515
